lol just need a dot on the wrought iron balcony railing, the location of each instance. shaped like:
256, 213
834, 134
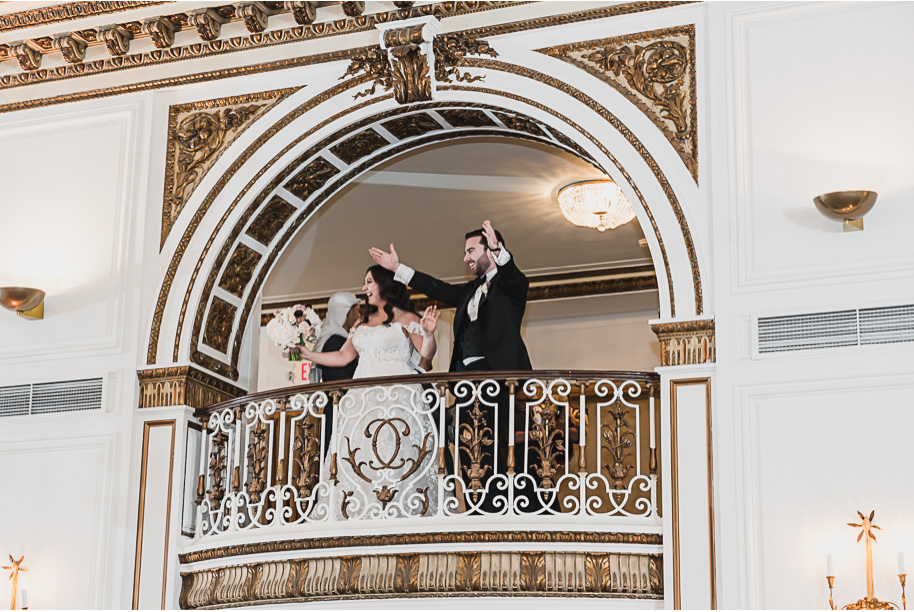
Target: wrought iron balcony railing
510, 444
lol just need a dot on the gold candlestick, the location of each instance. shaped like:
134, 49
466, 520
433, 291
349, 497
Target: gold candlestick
901, 579
16, 567
831, 587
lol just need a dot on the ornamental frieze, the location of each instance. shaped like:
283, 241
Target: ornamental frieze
183, 386
655, 71
686, 342
198, 133
430, 574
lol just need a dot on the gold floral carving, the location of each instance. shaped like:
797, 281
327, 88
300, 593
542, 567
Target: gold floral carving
219, 325
466, 117
66, 12
198, 134
423, 574
655, 71
270, 220
434, 538
474, 438
546, 442
240, 269
450, 52
183, 386
312, 177
404, 66
161, 30
358, 146
618, 437
412, 125
218, 460
306, 450
208, 23
258, 451
686, 342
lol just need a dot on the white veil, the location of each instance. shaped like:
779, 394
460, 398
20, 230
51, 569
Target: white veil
337, 310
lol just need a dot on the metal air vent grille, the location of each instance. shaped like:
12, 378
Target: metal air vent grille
865, 326
46, 398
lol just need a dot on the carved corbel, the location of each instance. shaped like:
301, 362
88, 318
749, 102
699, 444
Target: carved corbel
117, 39
353, 9
256, 16
409, 52
29, 57
304, 12
162, 31
72, 48
208, 23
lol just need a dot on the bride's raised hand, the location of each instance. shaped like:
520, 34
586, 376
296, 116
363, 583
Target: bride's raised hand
429, 320
389, 261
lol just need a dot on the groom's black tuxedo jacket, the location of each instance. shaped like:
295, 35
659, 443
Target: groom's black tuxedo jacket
500, 314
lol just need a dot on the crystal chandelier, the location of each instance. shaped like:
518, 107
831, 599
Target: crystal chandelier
597, 204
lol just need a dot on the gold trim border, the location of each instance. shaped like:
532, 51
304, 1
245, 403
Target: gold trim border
68, 12
437, 537
147, 426
674, 384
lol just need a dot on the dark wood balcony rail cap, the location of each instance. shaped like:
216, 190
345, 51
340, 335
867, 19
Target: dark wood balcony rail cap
433, 378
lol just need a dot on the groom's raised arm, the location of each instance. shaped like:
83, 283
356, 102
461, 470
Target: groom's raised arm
432, 287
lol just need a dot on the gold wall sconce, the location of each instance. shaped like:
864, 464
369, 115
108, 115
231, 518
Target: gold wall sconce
869, 602
847, 207
26, 301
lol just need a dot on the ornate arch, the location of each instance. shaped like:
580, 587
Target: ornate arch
264, 220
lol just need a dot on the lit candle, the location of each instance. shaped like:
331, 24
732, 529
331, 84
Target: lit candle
901, 563
829, 570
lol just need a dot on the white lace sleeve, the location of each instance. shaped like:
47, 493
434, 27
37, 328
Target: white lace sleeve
414, 328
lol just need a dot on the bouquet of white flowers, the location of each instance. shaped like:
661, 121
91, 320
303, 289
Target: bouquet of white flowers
294, 326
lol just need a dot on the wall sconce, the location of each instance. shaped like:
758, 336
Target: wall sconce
846, 206
27, 302
869, 602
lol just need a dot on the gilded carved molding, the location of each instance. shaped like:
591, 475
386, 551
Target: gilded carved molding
66, 12
198, 134
403, 63
183, 386
208, 22
655, 71
412, 539
427, 574
686, 342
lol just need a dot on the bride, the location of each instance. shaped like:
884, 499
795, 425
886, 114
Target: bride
384, 437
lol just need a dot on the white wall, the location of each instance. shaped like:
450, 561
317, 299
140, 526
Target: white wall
71, 226
805, 99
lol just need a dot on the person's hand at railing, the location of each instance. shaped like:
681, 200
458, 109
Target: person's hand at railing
429, 324
334, 359
387, 260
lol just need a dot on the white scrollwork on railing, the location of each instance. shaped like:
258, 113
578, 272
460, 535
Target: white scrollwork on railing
540, 446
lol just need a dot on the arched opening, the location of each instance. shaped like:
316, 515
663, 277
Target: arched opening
591, 293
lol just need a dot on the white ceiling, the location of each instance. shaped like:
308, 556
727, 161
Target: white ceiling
425, 201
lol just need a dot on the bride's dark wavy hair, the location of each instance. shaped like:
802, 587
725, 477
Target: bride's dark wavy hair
391, 291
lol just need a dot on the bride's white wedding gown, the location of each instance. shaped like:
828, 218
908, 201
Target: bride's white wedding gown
385, 438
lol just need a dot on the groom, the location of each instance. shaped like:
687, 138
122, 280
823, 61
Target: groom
487, 321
